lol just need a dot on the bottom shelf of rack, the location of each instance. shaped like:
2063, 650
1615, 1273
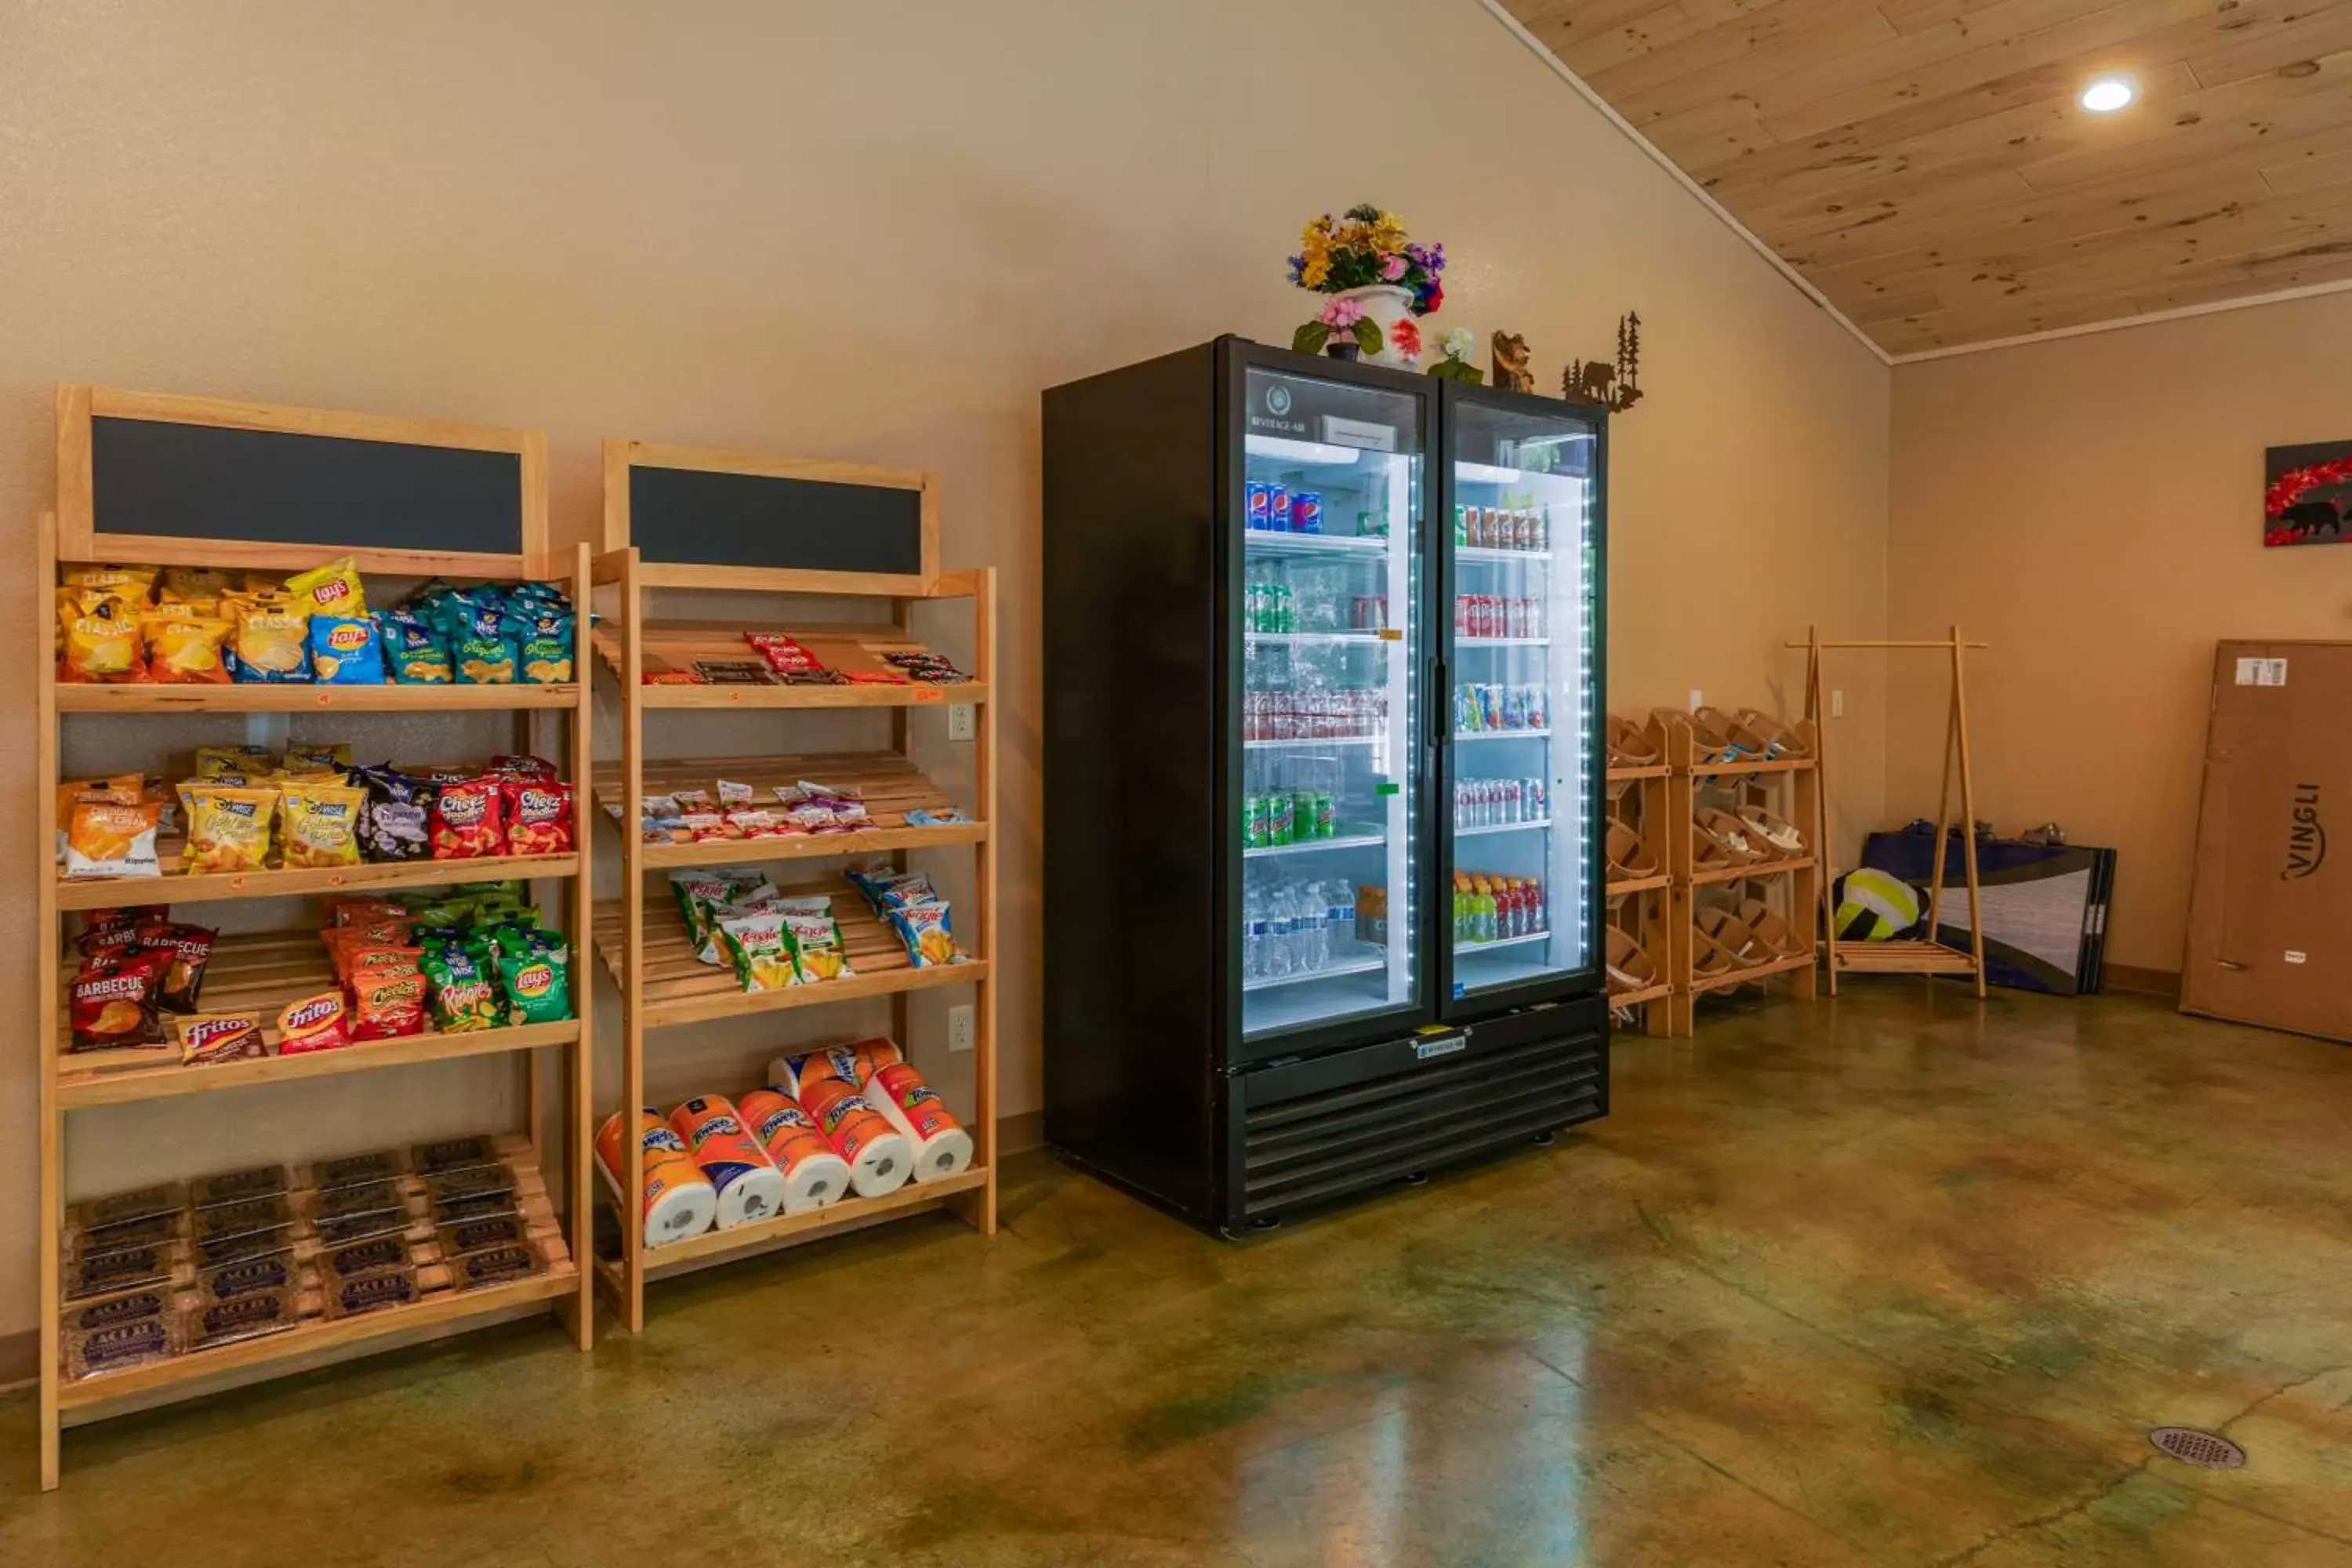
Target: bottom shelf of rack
203, 1372
1646, 994
715, 1246
1902, 958
1701, 984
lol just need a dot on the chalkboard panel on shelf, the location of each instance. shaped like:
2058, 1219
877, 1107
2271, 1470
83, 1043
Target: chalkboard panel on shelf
697, 516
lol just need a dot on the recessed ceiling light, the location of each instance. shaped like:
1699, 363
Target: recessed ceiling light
2109, 94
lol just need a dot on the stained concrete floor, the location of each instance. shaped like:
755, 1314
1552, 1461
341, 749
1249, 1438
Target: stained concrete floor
1895, 1280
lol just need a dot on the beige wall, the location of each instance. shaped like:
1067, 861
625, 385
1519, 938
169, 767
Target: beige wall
870, 232
2091, 507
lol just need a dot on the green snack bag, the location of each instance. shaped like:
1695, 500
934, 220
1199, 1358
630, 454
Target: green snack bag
538, 985
463, 996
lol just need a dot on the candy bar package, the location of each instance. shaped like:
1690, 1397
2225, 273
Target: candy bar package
108, 1310
245, 1317
480, 1234
473, 1180
248, 1244
145, 1231
381, 1196
361, 1257
122, 1208
123, 1269
116, 1347
495, 1266
270, 1271
444, 1154
235, 1186
340, 1230
348, 1296
355, 1170
457, 1208
243, 1217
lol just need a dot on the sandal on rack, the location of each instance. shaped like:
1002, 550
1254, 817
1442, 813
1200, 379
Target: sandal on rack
1720, 839
1775, 835
1770, 930
1779, 742
1630, 859
1727, 938
1630, 965
1630, 743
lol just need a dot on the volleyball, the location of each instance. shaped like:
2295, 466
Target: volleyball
1875, 906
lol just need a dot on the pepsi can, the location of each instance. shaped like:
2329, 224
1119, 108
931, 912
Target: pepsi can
1277, 507
1307, 512
1260, 505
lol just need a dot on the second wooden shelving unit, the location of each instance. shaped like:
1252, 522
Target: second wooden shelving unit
640, 937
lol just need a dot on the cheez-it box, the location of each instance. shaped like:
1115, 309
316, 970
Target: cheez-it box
2270, 919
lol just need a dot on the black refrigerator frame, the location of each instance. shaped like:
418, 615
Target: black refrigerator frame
1150, 1083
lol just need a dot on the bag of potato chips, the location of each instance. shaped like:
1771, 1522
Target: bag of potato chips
272, 643
330, 590
109, 839
319, 823
184, 648
229, 827
103, 644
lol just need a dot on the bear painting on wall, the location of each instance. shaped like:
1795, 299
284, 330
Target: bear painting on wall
2307, 494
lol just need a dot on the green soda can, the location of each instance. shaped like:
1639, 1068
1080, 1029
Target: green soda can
1282, 821
1327, 815
1257, 824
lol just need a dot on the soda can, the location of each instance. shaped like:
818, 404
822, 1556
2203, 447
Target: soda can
1371, 525
1515, 708
1539, 713
1277, 507
1524, 538
1257, 823
1307, 512
1543, 529
1462, 524
1482, 615
1531, 794
1518, 618
1466, 716
1490, 706
1259, 505
1327, 815
1283, 819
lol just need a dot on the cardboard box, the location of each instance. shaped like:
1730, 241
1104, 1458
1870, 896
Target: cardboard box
2269, 918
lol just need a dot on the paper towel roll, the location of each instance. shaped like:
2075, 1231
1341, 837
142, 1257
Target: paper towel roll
814, 1175
680, 1201
750, 1186
941, 1146
880, 1157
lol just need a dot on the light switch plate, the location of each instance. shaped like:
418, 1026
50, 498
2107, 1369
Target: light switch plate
1837, 704
1698, 699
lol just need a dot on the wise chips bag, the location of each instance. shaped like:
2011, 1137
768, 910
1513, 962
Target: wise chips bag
318, 824
229, 827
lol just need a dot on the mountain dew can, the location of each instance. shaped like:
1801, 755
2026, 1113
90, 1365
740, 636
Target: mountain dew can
1326, 816
1257, 824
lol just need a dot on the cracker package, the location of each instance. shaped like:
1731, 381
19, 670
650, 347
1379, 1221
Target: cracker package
318, 824
413, 652
757, 947
817, 951
109, 838
538, 817
204, 1038
345, 652
333, 589
229, 827
466, 820
242, 1317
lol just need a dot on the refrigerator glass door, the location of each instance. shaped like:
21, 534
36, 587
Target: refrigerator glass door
1333, 744
1523, 697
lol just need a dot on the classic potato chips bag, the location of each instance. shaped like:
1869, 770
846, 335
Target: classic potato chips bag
330, 590
184, 648
194, 586
318, 824
272, 643
102, 645
229, 827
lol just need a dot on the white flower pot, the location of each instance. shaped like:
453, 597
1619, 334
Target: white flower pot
1386, 304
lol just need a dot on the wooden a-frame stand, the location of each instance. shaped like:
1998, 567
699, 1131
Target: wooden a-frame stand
1921, 957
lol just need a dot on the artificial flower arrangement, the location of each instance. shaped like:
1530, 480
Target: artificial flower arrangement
1365, 248
1456, 347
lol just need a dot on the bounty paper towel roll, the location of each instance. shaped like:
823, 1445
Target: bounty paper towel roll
941, 1146
750, 1186
879, 1154
814, 1175
680, 1200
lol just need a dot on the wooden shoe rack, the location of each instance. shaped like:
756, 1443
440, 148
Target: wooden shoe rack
1740, 909
1636, 930
641, 939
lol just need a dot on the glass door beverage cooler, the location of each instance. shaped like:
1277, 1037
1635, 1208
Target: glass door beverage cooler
1322, 681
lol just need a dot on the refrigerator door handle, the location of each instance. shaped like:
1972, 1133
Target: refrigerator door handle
1440, 703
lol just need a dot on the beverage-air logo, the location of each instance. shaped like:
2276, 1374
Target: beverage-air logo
1278, 400
2307, 837
1277, 413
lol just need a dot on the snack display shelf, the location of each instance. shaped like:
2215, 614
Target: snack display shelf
1487, 828
77, 697
673, 648
889, 784
175, 887
1310, 845
786, 1230
1708, 874
680, 988
438, 1309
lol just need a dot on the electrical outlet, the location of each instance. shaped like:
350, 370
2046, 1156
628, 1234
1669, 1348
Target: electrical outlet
959, 1027
1837, 704
961, 720
1698, 699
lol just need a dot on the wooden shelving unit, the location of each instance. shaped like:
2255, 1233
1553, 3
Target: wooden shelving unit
640, 937
1637, 905
1790, 787
264, 971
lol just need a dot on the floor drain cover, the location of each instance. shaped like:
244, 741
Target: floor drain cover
2202, 1449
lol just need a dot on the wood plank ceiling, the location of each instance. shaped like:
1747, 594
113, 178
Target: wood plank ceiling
1926, 164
